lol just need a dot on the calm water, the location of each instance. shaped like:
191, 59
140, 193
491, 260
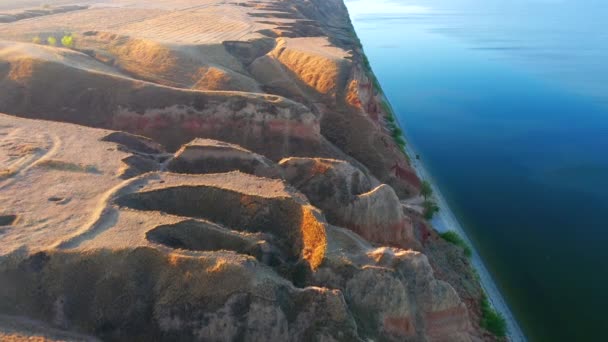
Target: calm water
508, 108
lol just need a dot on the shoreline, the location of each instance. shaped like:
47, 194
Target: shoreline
445, 221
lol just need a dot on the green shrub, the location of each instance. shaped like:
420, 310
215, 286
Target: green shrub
376, 83
36, 40
366, 62
491, 320
476, 274
52, 41
387, 110
400, 141
391, 123
426, 190
67, 41
430, 208
54, 164
457, 240
397, 132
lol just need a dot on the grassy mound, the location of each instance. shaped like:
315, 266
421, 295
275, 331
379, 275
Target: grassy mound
491, 320
456, 239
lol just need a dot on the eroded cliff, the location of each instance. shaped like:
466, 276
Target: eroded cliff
265, 202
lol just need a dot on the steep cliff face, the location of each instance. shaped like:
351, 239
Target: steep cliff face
347, 197
263, 204
222, 255
330, 73
124, 77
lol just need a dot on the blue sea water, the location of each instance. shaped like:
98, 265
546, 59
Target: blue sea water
507, 104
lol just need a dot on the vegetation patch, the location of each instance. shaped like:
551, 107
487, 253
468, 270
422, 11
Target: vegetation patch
68, 41
388, 110
392, 125
389, 115
476, 274
70, 167
376, 83
457, 240
430, 209
366, 62
426, 190
491, 320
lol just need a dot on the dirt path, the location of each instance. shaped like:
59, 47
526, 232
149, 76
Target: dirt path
24, 154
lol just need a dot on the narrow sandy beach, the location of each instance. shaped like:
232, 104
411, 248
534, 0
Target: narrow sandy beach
444, 221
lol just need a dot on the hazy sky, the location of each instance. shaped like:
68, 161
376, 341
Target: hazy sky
417, 6
564, 40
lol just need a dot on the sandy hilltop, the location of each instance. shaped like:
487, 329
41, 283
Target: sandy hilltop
210, 170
